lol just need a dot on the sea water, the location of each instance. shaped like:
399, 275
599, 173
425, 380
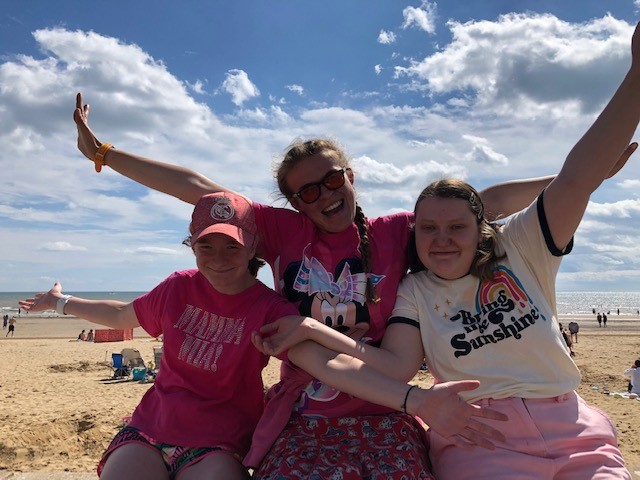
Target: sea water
568, 302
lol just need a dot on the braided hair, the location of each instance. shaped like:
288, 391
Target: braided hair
301, 149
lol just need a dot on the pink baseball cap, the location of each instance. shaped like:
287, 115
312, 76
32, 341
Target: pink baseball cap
224, 212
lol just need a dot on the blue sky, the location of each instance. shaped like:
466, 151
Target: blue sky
489, 91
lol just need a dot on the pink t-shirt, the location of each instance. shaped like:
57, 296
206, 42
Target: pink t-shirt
209, 389
322, 273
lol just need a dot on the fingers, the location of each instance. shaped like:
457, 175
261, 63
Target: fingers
488, 413
485, 430
256, 339
81, 113
261, 345
463, 385
477, 440
622, 160
269, 327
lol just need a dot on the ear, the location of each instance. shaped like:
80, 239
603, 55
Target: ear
351, 176
295, 203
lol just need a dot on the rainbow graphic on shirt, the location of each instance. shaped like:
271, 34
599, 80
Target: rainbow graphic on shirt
503, 279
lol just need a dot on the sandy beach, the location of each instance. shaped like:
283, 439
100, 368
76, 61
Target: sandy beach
60, 409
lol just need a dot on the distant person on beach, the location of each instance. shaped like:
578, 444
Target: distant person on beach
83, 336
574, 328
604, 319
90, 336
197, 419
5, 319
480, 303
566, 336
599, 317
12, 326
634, 373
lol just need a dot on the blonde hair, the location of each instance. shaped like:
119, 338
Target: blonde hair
301, 149
486, 257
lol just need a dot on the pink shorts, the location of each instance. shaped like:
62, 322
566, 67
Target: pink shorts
389, 447
549, 438
174, 457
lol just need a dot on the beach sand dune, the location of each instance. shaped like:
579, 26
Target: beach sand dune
60, 408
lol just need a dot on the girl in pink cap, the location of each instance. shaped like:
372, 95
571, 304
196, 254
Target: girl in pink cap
342, 269
196, 420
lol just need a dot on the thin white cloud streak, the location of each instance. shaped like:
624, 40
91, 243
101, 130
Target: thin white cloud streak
52, 194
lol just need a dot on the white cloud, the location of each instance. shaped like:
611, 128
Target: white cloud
296, 88
622, 209
197, 87
471, 113
62, 246
482, 153
529, 65
377, 69
631, 184
422, 17
386, 38
157, 251
238, 85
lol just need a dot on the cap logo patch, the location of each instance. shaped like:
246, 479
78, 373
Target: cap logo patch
222, 210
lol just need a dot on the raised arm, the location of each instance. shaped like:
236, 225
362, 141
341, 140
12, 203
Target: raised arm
439, 406
506, 198
110, 313
595, 154
183, 183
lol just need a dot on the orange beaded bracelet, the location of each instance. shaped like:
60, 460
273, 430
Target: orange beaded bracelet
99, 156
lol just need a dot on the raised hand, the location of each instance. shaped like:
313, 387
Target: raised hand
450, 416
43, 301
622, 159
88, 144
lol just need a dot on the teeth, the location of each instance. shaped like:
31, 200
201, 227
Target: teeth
333, 206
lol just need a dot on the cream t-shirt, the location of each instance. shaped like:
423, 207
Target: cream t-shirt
502, 332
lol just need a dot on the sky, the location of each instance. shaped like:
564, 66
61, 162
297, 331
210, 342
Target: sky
414, 91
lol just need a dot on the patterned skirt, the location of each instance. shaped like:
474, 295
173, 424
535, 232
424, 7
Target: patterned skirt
376, 447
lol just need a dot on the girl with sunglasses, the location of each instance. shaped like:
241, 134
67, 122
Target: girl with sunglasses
480, 303
340, 268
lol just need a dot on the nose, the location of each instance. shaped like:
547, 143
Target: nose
442, 237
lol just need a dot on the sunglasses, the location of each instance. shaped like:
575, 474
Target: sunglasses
332, 181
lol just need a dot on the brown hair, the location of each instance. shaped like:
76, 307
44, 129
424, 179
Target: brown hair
301, 149
486, 257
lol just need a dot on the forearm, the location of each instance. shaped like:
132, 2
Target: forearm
591, 159
110, 313
183, 183
506, 198
349, 374
389, 362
